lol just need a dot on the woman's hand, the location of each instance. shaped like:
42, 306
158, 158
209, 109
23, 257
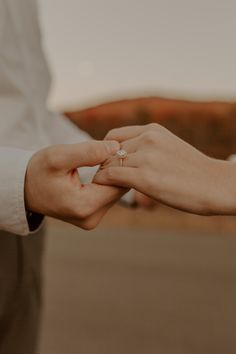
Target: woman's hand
53, 185
166, 168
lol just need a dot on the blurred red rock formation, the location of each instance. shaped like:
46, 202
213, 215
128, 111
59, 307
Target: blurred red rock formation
209, 126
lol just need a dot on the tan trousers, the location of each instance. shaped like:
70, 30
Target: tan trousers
20, 292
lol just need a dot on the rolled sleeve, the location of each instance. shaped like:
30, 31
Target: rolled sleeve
13, 217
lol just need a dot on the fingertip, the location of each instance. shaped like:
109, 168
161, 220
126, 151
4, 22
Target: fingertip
105, 176
111, 135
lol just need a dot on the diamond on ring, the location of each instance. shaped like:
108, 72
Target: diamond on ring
122, 154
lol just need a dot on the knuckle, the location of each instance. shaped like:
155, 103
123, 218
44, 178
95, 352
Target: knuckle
90, 149
153, 126
110, 135
110, 174
83, 212
149, 137
52, 157
89, 225
100, 154
156, 128
49, 157
148, 179
98, 151
149, 159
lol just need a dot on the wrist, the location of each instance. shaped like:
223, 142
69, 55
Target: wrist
221, 189
31, 193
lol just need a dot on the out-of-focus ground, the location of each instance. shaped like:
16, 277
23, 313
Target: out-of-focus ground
142, 283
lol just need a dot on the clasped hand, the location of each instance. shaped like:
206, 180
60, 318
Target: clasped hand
53, 186
159, 165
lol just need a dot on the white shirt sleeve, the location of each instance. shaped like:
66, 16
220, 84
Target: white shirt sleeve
62, 131
14, 164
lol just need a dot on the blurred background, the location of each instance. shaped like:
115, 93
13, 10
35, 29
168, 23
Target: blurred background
145, 281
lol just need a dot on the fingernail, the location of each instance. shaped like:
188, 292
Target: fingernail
112, 146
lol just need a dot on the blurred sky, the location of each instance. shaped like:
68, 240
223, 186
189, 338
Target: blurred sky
102, 49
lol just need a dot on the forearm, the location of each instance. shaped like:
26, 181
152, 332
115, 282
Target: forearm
166, 168
221, 194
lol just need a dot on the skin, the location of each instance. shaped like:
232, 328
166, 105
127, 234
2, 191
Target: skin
100, 119
166, 168
53, 185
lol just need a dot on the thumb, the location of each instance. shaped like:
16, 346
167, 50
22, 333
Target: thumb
85, 154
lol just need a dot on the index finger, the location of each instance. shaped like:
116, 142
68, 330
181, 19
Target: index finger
86, 154
126, 133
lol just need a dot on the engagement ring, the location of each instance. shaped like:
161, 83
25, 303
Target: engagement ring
121, 154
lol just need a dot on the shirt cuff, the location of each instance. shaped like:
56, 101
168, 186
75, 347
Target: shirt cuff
13, 216
128, 199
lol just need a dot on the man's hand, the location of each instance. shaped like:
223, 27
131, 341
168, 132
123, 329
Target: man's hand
53, 185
